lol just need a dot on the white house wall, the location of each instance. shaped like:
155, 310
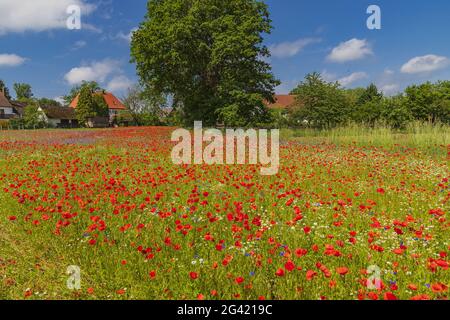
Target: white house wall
8, 110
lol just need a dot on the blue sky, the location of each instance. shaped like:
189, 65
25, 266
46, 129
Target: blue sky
327, 36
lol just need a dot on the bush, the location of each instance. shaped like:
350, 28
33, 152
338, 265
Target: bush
395, 112
324, 104
32, 117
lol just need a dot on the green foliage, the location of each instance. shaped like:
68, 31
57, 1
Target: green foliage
370, 94
367, 107
3, 86
86, 107
124, 117
32, 117
207, 55
48, 102
429, 102
395, 112
324, 104
94, 87
353, 95
100, 107
175, 118
23, 91
17, 123
279, 118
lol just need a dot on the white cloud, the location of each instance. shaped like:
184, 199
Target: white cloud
350, 50
96, 71
356, 76
119, 84
11, 60
390, 89
126, 36
290, 49
427, 63
388, 72
39, 15
60, 99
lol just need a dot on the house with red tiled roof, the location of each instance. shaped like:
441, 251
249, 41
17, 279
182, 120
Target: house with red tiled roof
114, 104
282, 101
6, 108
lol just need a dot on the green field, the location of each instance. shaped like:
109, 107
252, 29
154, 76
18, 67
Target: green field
111, 202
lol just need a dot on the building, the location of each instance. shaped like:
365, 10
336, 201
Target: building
19, 108
6, 108
114, 104
58, 117
282, 101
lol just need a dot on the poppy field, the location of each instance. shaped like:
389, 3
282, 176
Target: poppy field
339, 220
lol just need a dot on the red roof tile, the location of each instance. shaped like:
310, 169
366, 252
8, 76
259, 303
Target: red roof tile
112, 102
4, 102
282, 101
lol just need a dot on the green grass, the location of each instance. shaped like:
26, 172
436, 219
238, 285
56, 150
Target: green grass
424, 136
329, 175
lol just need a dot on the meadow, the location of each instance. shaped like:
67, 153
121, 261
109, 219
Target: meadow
346, 204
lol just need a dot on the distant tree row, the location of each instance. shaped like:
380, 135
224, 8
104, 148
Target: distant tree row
322, 104
223, 75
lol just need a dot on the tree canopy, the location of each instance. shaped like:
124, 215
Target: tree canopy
23, 91
326, 104
86, 105
208, 55
323, 104
94, 86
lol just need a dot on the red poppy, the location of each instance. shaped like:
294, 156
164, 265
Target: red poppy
301, 252
439, 287
310, 274
152, 274
289, 266
412, 286
421, 297
193, 275
342, 271
280, 272
389, 296
239, 280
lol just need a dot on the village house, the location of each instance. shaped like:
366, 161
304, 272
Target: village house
18, 108
282, 101
6, 108
114, 106
58, 117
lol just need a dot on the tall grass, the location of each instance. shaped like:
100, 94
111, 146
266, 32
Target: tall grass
425, 136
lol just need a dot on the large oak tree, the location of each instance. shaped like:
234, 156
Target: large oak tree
208, 56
